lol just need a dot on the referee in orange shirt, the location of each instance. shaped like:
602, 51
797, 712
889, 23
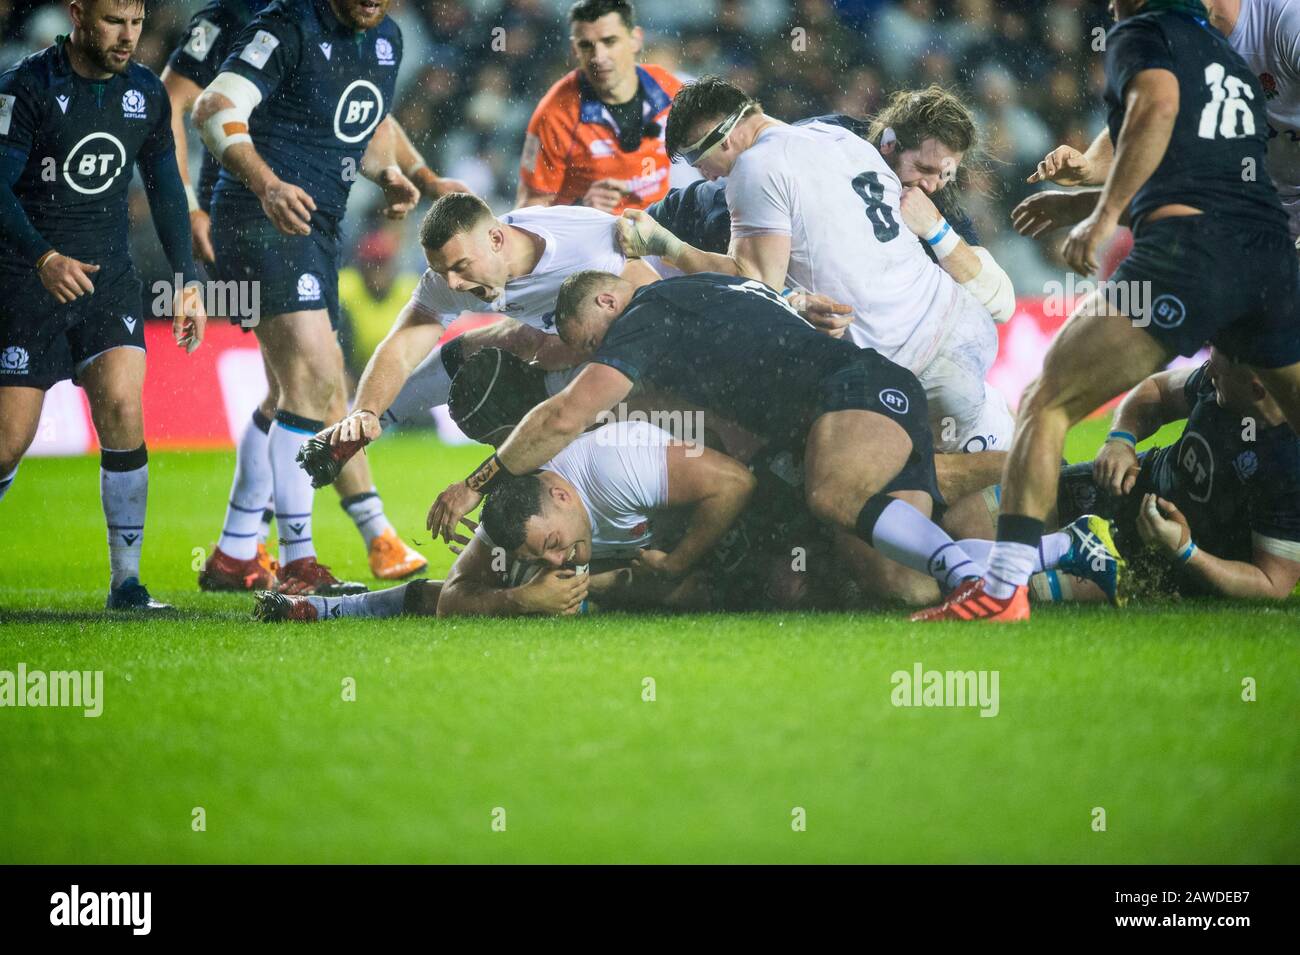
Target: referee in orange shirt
597, 137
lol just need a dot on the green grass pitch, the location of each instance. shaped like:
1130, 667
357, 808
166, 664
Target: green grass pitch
539, 727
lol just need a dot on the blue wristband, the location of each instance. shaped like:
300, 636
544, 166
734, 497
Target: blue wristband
1186, 553
1126, 437
938, 236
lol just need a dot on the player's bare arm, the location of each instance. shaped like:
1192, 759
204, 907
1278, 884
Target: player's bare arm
379, 164
1143, 411
1268, 575
183, 93
1066, 166
221, 113
1151, 108
414, 334
716, 488
973, 267
473, 588
543, 433
414, 167
754, 257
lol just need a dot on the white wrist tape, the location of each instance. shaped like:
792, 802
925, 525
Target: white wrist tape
992, 287
942, 239
229, 126
191, 199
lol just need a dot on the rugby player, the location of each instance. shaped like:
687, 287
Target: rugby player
1219, 508
1266, 33
74, 119
1187, 115
240, 560
298, 108
730, 345
512, 265
823, 206
597, 137
551, 539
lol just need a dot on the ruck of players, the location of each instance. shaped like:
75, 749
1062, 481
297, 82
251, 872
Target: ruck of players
737, 360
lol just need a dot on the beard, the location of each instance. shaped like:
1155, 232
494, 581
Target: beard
102, 56
363, 14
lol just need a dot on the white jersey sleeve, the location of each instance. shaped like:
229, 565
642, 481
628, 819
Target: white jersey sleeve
759, 199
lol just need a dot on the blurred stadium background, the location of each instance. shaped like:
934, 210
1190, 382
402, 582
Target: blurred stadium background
1027, 69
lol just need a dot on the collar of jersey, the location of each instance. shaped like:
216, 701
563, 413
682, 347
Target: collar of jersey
654, 100
548, 243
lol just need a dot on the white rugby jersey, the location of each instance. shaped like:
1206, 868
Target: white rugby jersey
838, 200
1267, 36
620, 472
576, 238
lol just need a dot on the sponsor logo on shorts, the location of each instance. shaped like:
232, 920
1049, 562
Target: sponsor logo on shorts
308, 287
384, 52
327, 49
14, 361
1246, 464
1168, 311
63, 102
129, 322
6, 113
894, 400
133, 104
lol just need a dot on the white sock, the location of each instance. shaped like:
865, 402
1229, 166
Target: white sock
7, 481
377, 603
292, 485
248, 493
367, 512
426, 388
904, 534
1010, 566
124, 492
1049, 554
264, 525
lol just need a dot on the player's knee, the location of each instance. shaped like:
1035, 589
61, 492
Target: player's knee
831, 504
118, 417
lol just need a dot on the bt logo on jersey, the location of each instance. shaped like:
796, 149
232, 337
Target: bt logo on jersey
94, 163
360, 109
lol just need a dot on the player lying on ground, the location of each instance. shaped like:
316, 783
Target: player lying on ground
70, 296
193, 65
620, 516
1219, 509
820, 207
859, 420
296, 112
1186, 116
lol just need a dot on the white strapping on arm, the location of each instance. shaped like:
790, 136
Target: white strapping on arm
229, 126
992, 287
1287, 550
